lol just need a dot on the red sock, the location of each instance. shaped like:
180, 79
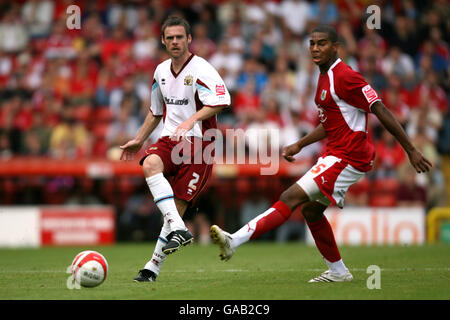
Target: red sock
324, 238
273, 220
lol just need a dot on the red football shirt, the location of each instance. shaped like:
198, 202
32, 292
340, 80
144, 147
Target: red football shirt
343, 99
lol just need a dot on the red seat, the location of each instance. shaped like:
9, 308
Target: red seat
103, 114
82, 113
382, 199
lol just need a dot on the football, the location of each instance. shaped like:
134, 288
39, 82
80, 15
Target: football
89, 268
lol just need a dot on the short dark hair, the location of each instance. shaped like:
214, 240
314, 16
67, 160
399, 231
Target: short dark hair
329, 30
176, 21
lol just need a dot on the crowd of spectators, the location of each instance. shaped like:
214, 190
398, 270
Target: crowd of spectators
71, 93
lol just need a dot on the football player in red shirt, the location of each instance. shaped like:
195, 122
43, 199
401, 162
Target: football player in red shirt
344, 100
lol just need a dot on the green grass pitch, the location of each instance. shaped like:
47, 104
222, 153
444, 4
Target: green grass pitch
257, 271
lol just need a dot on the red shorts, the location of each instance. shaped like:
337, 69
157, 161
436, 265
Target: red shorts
188, 173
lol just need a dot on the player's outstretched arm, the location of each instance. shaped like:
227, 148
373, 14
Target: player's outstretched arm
315, 135
134, 145
418, 161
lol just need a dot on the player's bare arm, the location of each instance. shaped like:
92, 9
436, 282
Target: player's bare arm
418, 161
202, 114
315, 135
134, 145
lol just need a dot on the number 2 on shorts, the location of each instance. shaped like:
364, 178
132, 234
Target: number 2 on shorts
194, 180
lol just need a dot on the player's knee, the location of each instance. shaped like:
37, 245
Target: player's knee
152, 165
312, 211
293, 197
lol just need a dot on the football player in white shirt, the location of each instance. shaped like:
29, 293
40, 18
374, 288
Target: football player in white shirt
188, 93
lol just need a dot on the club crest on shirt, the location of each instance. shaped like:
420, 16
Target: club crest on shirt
188, 80
323, 94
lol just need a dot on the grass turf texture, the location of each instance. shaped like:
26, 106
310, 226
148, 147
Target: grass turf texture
260, 271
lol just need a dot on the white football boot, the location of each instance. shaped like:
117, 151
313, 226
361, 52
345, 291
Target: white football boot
329, 276
223, 239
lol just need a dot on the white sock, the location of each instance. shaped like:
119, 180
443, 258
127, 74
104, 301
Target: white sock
163, 196
243, 234
336, 267
158, 257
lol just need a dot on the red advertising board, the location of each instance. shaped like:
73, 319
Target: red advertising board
77, 226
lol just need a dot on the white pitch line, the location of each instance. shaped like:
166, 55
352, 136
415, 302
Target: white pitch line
245, 270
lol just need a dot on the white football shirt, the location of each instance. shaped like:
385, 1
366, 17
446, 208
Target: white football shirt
177, 96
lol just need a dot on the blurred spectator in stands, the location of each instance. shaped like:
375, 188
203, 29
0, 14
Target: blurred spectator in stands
438, 62
371, 70
410, 191
271, 33
92, 30
36, 139
441, 47
260, 52
256, 12
145, 47
348, 38
125, 125
351, 11
235, 38
397, 99
38, 17
114, 14
70, 138
390, 156
404, 36
208, 18
252, 71
230, 12
118, 44
435, 181
401, 64
102, 88
13, 34
428, 92
324, 11
60, 43
272, 110
230, 61
371, 39
430, 19
7, 67
201, 45
126, 91
6, 151
344, 54
83, 79
294, 15
246, 103
444, 135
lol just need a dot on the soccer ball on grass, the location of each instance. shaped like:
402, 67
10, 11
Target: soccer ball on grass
89, 268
